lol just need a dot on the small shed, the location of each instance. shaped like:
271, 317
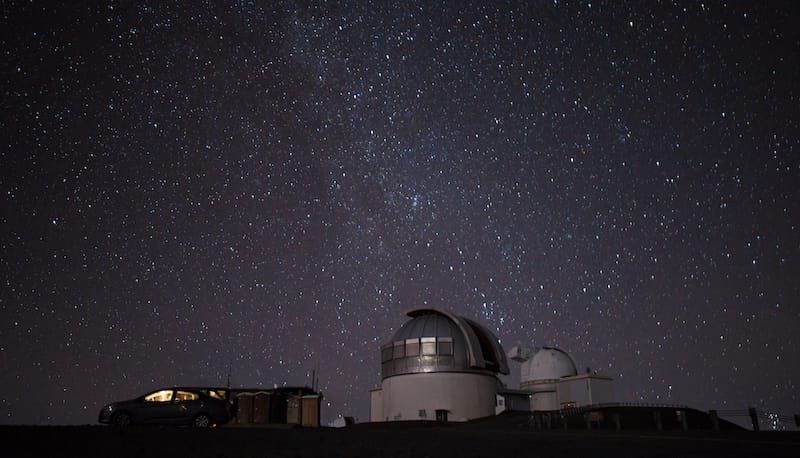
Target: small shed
281, 405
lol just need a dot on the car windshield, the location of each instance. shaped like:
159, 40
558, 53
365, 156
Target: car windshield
159, 396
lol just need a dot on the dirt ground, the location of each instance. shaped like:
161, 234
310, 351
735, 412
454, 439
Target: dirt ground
387, 440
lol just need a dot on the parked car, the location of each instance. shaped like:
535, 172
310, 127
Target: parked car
198, 407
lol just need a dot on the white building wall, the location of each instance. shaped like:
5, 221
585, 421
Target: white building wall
574, 391
545, 400
376, 405
579, 390
545, 394
465, 396
585, 390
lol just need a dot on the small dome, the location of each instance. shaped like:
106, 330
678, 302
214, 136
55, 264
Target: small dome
437, 341
550, 363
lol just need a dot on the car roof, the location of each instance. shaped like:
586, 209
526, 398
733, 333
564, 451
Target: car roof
203, 391
187, 388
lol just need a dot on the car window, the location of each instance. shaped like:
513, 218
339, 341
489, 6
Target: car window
159, 396
219, 394
186, 396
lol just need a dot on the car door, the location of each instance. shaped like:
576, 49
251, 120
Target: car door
155, 407
187, 404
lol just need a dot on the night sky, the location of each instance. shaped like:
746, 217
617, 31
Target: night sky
270, 187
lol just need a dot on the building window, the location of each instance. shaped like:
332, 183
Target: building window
429, 346
386, 353
441, 415
423, 413
399, 350
427, 363
412, 347
445, 346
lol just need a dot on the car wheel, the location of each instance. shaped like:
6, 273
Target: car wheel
121, 419
202, 421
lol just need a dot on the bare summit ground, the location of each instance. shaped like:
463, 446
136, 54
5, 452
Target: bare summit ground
413, 440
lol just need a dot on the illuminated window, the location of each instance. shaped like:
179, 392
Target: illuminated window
219, 394
159, 396
185, 396
429, 345
427, 363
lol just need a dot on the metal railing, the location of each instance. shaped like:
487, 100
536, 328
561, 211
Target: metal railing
592, 415
759, 420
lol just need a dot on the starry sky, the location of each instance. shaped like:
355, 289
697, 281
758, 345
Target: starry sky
263, 189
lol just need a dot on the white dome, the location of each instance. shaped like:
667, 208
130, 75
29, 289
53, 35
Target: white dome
548, 363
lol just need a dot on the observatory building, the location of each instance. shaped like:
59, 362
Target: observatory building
445, 367
438, 366
552, 378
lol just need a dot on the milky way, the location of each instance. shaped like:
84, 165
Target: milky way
264, 190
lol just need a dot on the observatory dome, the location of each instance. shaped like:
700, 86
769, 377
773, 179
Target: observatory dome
550, 363
438, 366
438, 341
